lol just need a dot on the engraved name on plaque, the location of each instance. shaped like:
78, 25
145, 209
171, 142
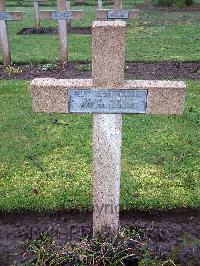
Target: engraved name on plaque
5, 16
117, 14
59, 15
111, 101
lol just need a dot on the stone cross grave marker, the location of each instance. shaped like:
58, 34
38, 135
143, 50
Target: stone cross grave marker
4, 17
99, 4
68, 7
117, 12
63, 16
107, 96
36, 7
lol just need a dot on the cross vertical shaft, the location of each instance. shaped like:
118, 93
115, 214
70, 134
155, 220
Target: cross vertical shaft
107, 72
62, 30
68, 7
4, 38
63, 15
36, 13
118, 5
99, 4
2, 5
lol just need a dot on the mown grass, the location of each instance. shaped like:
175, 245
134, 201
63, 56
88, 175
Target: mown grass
156, 36
46, 159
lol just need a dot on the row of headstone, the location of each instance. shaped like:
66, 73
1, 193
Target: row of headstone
36, 8
115, 13
36, 5
63, 15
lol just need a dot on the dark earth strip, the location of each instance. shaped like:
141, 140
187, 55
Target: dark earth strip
162, 231
53, 30
133, 70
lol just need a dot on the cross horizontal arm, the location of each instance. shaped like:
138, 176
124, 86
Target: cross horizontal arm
59, 15
164, 97
104, 13
13, 15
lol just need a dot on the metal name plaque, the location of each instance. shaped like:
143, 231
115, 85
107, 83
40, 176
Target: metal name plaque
5, 16
114, 14
108, 101
61, 15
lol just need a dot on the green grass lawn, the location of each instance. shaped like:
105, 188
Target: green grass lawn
155, 36
45, 160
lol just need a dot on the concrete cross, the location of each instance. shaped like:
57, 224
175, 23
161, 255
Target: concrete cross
117, 4
4, 17
117, 12
62, 15
68, 7
99, 4
36, 8
107, 96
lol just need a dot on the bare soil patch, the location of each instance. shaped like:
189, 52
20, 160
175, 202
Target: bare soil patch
133, 70
54, 30
161, 231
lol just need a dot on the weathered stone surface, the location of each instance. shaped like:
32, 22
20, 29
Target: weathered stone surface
164, 97
4, 43
50, 95
118, 4
108, 48
107, 140
36, 8
108, 53
99, 4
